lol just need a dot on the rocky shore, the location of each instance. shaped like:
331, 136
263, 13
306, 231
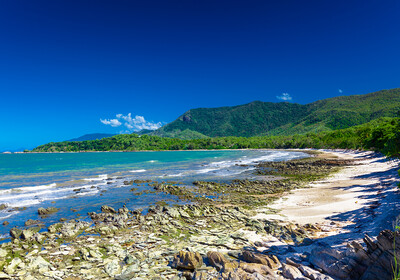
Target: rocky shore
219, 235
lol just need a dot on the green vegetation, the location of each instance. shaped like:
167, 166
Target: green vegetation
381, 135
266, 118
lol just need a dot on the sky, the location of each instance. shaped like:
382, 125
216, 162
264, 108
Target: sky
69, 68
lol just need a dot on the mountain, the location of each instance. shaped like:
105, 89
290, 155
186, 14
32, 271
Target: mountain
92, 136
267, 118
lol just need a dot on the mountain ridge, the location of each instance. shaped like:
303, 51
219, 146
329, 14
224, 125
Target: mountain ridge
259, 118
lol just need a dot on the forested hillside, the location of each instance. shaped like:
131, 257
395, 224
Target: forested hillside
266, 118
382, 135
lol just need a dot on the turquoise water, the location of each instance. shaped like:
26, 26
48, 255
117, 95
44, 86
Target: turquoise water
78, 183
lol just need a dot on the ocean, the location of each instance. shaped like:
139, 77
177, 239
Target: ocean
78, 183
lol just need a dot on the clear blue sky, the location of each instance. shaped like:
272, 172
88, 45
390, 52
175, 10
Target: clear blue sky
64, 65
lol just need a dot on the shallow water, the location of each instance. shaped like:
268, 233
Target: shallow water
78, 183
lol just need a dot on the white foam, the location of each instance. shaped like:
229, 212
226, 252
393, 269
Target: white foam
176, 175
206, 170
21, 199
99, 178
27, 189
138, 171
220, 165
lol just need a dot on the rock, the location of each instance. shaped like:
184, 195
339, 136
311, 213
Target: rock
47, 211
123, 210
129, 259
3, 253
313, 274
3, 206
217, 260
292, 272
72, 228
15, 232
173, 212
4, 276
10, 269
260, 258
127, 183
27, 234
54, 228
256, 268
6, 223
129, 272
31, 222
108, 209
187, 260
357, 263
328, 260
112, 268
38, 263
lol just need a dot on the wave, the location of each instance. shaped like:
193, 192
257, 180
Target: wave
99, 178
39, 195
138, 171
225, 164
30, 188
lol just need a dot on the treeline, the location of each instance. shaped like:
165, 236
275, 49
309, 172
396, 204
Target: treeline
382, 135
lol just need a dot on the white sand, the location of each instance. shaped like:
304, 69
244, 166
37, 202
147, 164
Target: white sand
363, 198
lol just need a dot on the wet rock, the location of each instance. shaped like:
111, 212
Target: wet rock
123, 210
31, 222
3, 206
127, 183
108, 209
187, 260
6, 223
47, 211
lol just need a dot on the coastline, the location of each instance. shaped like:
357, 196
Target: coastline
147, 246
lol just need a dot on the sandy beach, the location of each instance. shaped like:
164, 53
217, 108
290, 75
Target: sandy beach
359, 199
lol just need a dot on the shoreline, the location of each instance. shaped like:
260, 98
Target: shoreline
192, 150
200, 228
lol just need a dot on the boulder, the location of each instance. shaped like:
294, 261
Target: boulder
217, 260
256, 268
47, 211
187, 260
292, 272
15, 232
260, 258
356, 263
